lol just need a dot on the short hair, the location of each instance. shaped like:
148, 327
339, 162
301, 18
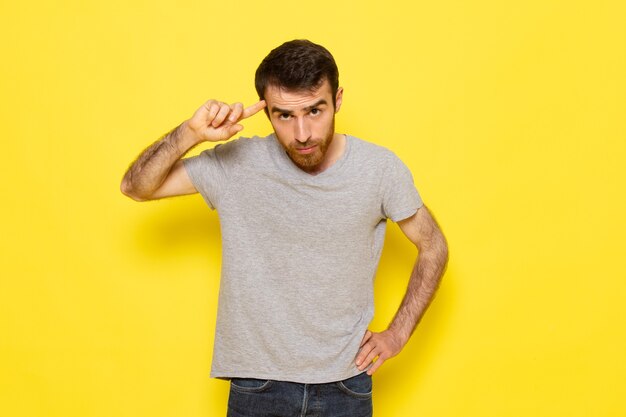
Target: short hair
297, 65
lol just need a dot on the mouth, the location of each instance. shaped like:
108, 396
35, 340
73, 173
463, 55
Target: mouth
307, 150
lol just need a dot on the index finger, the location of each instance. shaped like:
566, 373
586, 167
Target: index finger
254, 109
366, 337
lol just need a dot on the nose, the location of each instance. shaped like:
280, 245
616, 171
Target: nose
302, 131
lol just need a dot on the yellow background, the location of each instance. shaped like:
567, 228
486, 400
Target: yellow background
511, 116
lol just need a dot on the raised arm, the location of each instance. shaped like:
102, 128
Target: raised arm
159, 172
423, 231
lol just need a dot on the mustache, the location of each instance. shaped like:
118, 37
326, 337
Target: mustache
307, 144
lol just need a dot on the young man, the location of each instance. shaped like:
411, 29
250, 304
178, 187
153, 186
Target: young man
303, 214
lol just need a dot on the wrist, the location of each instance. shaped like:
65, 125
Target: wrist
398, 335
185, 137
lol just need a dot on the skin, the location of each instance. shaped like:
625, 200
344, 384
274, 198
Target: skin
422, 230
304, 125
159, 172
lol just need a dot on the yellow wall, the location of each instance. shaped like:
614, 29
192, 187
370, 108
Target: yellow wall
511, 115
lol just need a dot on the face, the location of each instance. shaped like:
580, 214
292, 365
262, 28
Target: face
304, 122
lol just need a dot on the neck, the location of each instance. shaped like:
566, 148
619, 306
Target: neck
335, 150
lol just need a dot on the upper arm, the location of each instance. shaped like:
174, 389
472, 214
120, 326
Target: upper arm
177, 182
422, 229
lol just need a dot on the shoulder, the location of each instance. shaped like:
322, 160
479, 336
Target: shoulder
372, 153
238, 149
244, 144
381, 162
228, 156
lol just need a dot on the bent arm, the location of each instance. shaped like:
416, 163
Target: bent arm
423, 231
159, 172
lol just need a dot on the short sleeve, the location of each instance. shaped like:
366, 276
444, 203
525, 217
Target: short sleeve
400, 198
209, 171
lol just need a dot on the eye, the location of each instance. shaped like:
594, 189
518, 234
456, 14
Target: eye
284, 116
315, 111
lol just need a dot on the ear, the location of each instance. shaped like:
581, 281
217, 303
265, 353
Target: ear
338, 99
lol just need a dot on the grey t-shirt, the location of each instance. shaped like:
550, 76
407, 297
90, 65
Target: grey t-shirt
299, 254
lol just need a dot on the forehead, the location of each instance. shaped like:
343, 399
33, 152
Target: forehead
276, 96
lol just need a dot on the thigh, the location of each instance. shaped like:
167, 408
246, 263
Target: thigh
260, 398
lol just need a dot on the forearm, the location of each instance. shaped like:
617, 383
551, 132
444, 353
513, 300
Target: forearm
427, 272
423, 231
148, 172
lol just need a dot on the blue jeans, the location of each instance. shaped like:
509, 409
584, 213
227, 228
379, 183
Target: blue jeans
351, 397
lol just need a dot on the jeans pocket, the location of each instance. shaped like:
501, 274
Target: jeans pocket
359, 386
250, 384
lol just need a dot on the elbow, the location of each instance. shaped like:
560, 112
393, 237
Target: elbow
443, 248
443, 253
127, 189
435, 249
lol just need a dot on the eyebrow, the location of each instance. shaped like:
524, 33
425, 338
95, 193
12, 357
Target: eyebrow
307, 108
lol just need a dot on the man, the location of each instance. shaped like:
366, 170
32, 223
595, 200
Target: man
303, 214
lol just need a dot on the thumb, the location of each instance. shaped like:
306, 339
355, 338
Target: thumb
234, 129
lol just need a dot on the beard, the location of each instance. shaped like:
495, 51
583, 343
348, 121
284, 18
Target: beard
309, 161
